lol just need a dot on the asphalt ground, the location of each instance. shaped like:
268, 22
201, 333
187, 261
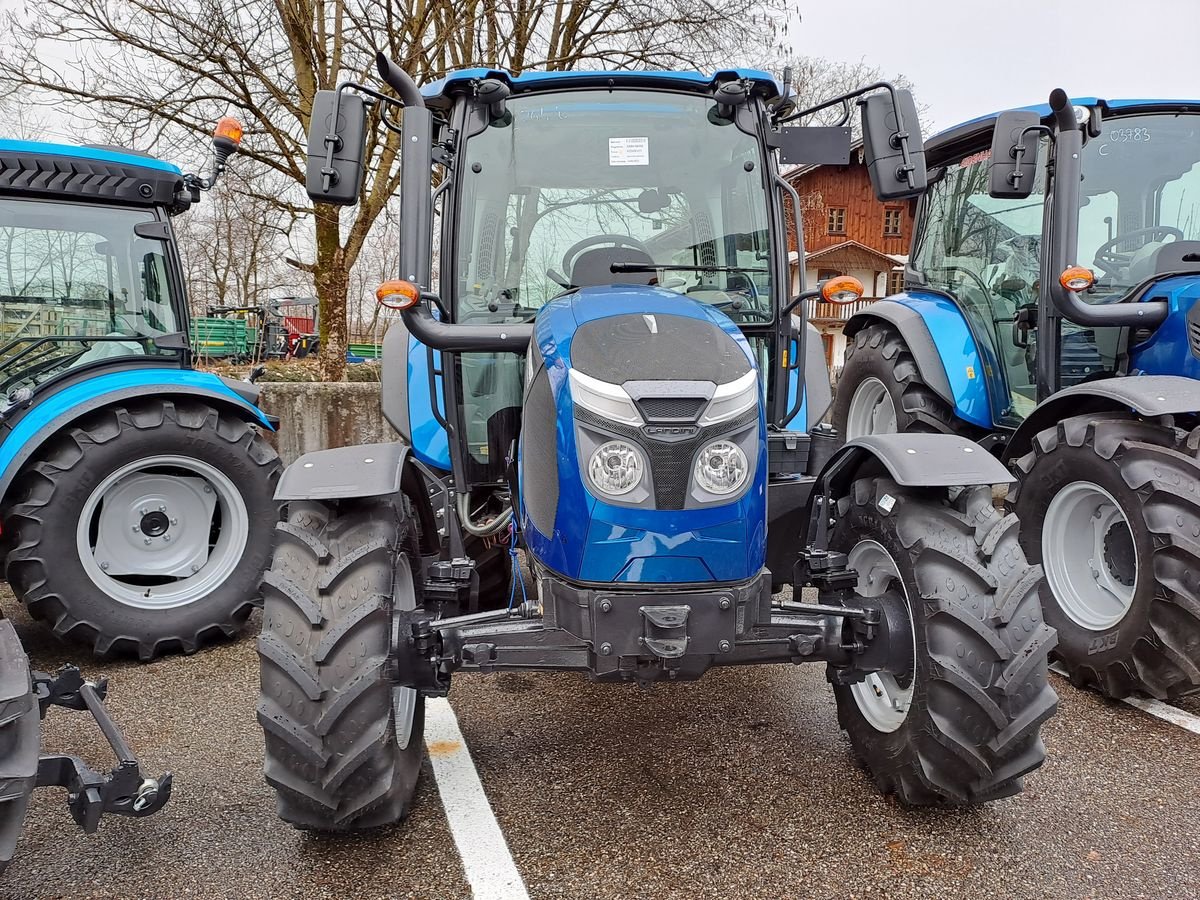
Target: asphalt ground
739, 785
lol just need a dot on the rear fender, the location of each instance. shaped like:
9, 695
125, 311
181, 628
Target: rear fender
1147, 395
51, 413
942, 346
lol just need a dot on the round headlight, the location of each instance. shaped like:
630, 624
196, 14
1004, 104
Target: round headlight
615, 468
721, 467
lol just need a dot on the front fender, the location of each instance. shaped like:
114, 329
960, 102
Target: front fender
50, 413
942, 346
1147, 395
917, 460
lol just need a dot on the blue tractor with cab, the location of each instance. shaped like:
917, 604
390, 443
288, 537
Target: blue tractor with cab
608, 376
1050, 313
136, 494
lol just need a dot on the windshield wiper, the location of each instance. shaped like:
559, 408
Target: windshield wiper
654, 267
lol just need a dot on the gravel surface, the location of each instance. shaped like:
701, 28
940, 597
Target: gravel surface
739, 785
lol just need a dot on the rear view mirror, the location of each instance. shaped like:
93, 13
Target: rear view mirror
335, 149
885, 142
1013, 167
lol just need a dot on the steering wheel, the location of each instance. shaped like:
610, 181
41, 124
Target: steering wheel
617, 240
1112, 261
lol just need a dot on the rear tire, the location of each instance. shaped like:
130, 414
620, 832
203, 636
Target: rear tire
20, 740
879, 370
343, 745
966, 728
1151, 476
84, 499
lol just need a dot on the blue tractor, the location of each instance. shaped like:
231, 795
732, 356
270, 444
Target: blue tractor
1056, 256
611, 378
136, 494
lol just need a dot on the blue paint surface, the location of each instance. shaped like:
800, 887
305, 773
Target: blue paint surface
597, 542
1168, 351
60, 408
89, 153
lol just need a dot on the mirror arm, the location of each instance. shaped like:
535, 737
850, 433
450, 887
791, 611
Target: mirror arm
899, 139
811, 294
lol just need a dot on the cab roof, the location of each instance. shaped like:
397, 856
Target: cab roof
459, 81
94, 154
953, 139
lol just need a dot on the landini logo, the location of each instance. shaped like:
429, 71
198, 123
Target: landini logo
670, 432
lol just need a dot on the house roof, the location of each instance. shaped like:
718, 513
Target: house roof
854, 253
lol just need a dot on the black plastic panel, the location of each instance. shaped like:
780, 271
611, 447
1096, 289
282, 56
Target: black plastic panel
42, 176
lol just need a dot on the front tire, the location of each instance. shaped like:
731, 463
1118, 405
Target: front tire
144, 527
964, 726
20, 740
1111, 508
881, 391
343, 744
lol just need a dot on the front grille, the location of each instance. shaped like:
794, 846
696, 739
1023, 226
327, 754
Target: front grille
671, 409
1194, 337
670, 461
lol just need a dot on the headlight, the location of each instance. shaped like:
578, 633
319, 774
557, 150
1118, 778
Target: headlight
616, 468
602, 398
732, 399
721, 467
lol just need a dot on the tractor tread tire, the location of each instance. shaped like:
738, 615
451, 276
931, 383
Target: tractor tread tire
879, 351
64, 595
20, 740
981, 693
1156, 647
326, 706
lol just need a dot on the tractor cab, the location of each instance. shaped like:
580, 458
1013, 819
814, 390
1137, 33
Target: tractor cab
996, 253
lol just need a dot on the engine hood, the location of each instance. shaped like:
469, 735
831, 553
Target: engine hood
664, 377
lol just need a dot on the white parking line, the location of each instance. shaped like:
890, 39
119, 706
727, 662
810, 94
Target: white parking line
1156, 708
486, 860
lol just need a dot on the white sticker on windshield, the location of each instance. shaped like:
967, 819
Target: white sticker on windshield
628, 151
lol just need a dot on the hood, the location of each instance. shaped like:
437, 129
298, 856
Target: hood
656, 384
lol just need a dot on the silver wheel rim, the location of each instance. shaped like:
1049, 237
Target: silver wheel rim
162, 532
871, 410
883, 702
404, 699
1083, 529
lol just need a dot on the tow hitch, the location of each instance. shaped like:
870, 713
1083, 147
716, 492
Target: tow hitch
124, 790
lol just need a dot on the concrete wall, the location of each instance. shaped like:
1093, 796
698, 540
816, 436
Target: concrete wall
317, 415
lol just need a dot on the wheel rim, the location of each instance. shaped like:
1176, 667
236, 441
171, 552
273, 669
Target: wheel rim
1089, 557
871, 410
404, 699
883, 699
162, 532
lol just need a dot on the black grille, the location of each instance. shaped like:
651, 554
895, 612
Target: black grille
1194, 337
670, 461
671, 409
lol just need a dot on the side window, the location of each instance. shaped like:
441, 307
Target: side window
895, 283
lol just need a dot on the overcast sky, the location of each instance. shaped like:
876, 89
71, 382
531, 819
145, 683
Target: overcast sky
966, 59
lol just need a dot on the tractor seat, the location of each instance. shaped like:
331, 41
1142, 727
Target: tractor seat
593, 267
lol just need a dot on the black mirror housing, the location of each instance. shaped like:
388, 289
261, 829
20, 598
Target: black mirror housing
338, 179
1013, 168
883, 150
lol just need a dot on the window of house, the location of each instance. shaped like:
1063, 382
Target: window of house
895, 282
891, 221
837, 220
824, 274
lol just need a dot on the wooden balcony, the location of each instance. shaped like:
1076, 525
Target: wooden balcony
822, 313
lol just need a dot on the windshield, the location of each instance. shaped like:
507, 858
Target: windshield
612, 187
76, 286
1140, 192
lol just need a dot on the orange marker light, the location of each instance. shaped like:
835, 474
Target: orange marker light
1076, 278
229, 129
842, 289
397, 294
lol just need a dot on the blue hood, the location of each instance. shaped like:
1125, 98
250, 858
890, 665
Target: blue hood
668, 353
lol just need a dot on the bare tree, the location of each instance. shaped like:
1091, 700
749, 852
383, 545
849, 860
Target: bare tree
154, 71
